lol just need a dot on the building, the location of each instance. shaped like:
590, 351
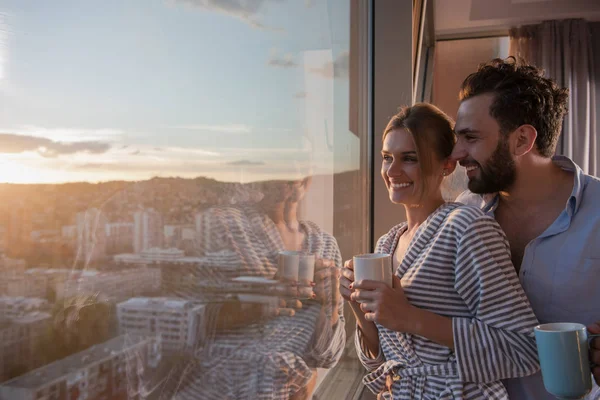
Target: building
91, 236
119, 237
179, 323
109, 370
19, 340
16, 307
113, 285
11, 266
19, 227
183, 275
23, 285
148, 230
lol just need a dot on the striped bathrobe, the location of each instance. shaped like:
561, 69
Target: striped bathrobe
266, 360
457, 265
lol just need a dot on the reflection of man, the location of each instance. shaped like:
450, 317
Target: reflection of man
256, 353
508, 126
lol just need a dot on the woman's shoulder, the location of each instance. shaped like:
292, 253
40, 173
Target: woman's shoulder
459, 217
386, 242
462, 218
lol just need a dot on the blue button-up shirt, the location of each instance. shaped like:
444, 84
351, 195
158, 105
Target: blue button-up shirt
560, 271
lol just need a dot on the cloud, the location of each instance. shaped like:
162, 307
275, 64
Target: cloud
339, 68
246, 163
134, 153
226, 128
300, 95
244, 10
285, 61
14, 144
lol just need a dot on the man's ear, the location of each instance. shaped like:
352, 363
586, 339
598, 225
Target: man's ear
524, 139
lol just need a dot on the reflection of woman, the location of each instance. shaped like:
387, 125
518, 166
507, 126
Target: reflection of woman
456, 321
274, 356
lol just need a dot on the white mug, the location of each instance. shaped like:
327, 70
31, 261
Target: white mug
288, 265
374, 267
306, 273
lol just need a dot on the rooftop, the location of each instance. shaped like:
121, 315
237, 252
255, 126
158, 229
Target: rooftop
59, 369
156, 302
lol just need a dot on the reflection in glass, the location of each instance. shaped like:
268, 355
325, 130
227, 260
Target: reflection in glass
157, 157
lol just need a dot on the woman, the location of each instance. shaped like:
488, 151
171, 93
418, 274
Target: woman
456, 320
249, 351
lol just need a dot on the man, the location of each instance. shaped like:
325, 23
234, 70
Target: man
508, 126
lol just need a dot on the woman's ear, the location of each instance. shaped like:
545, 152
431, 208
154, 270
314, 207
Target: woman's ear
449, 166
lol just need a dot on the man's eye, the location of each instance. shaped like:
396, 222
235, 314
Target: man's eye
470, 138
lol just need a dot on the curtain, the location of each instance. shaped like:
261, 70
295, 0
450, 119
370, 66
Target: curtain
564, 50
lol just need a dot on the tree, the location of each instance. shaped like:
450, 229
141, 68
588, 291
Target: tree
77, 323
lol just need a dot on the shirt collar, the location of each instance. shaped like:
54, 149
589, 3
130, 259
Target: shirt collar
572, 206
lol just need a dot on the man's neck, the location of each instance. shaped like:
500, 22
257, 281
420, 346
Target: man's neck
537, 181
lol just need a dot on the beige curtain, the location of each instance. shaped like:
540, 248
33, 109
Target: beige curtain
524, 43
564, 50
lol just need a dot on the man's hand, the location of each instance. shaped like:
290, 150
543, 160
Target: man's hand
594, 329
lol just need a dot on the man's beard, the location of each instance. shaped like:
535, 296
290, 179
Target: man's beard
498, 173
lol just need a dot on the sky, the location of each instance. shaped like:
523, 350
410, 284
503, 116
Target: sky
236, 90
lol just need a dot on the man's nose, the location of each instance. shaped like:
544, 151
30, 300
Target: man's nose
458, 153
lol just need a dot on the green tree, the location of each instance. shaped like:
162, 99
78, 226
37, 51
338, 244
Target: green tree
77, 323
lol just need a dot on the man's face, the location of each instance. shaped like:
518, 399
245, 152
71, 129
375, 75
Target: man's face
481, 148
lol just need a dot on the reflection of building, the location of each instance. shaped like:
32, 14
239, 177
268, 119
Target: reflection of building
54, 277
46, 236
15, 307
19, 340
156, 256
108, 370
11, 266
119, 237
181, 273
177, 322
148, 230
114, 285
179, 236
91, 235
18, 230
24, 285
69, 232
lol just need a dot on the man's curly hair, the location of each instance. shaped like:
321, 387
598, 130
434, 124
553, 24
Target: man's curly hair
522, 95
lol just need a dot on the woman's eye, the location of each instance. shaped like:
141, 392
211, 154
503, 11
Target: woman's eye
387, 158
410, 159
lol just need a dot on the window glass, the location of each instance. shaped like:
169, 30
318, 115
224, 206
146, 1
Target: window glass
179, 181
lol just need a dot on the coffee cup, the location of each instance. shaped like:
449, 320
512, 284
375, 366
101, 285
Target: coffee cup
306, 274
373, 266
288, 264
563, 352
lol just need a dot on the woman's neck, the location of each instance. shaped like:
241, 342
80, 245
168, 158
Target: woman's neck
290, 215
417, 214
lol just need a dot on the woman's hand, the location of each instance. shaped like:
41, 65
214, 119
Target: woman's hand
346, 280
327, 283
387, 306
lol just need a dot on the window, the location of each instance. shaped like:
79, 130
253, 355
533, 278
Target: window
200, 137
